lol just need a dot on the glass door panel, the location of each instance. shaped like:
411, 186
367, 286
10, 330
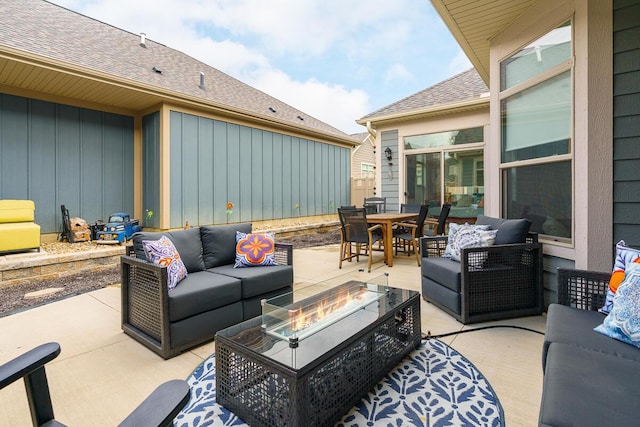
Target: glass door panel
423, 179
464, 182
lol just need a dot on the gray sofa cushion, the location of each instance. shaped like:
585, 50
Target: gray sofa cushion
203, 327
569, 325
589, 388
440, 295
202, 291
258, 280
187, 243
219, 243
442, 270
509, 230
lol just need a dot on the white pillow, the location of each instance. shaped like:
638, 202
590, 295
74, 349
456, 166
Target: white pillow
470, 236
454, 229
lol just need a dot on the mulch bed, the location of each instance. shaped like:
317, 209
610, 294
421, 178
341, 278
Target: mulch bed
12, 299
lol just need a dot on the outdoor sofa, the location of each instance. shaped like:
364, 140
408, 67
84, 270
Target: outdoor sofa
213, 296
498, 281
590, 379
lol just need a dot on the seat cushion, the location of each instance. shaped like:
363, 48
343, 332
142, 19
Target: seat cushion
200, 292
18, 236
187, 243
258, 280
442, 270
219, 243
589, 388
441, 295
572, 326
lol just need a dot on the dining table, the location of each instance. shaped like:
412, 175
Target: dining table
387, 220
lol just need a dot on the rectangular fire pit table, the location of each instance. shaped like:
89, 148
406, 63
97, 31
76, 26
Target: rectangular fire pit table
285, 369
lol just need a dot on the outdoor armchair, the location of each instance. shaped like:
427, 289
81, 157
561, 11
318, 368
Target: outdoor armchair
159, 409
408, 233
489, 283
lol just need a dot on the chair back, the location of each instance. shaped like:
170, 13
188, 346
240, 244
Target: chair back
353, 225
442, 219
410, 208
375, 204
422, 216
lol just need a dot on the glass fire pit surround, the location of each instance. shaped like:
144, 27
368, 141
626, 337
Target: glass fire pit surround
303, 364
295, 321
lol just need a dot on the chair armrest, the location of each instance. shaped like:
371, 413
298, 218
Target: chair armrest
583, 289
433, 246
161, 407
284, 253
145, 298
28, 362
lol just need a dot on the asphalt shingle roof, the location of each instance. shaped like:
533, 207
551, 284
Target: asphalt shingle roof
42, 28
465, 86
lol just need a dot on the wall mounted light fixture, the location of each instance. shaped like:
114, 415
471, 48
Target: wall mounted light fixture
388, 153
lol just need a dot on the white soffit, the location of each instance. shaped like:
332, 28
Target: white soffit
474, 22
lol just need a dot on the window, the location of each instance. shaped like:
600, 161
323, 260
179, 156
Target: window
366, 170
446, 167
536, 131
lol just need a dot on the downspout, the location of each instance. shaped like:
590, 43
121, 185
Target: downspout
373, 134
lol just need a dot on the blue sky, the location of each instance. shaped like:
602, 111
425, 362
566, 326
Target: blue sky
337, 60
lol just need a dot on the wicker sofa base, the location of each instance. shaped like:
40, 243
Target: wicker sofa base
266, 393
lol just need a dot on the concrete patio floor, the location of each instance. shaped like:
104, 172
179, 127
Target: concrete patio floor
102, 374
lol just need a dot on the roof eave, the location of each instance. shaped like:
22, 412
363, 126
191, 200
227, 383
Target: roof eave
165, 95
438, 110
450, 22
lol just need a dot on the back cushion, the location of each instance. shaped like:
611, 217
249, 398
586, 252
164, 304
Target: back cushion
187, 243
219, 243
509, 230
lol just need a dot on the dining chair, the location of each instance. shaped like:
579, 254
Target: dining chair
409, 232
355, 231
438, 229
375, 204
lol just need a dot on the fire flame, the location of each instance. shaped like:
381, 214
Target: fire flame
302, 318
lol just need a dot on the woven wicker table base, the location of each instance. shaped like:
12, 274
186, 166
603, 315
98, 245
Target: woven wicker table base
320, 388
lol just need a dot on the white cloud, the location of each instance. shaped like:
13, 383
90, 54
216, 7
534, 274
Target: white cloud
333, 104
398, 72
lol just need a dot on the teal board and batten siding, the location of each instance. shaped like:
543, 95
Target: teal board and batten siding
389, 173
626, 121
266, 175
151, 169
57, 154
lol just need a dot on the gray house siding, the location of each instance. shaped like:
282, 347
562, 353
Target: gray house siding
56, 155
626, 121
265, 175
389, 173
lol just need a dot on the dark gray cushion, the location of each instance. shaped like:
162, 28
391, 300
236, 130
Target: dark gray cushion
569, 325
219, 243
589, 388
187, 243
442, 270
440, 295
509, 230
200, 292
202, 327
259, 280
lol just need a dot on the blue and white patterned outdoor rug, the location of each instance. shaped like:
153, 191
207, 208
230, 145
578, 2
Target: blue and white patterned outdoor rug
434, 386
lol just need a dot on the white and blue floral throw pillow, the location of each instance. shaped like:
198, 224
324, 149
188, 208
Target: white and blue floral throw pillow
468, 236
623, 322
